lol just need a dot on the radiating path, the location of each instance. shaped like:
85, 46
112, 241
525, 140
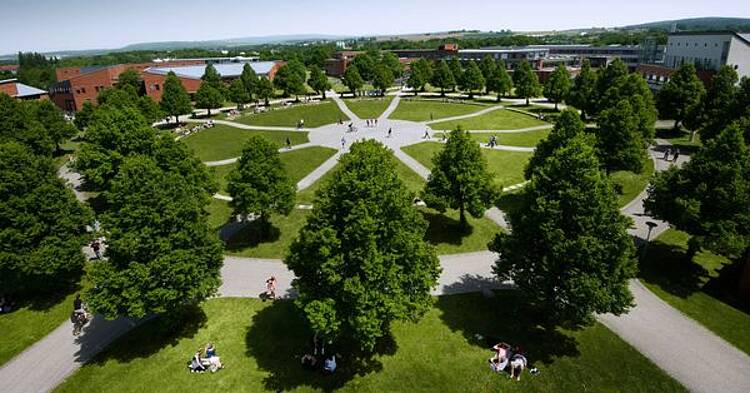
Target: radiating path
470, 115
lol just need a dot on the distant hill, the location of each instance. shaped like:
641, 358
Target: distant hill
694, 24
228, 43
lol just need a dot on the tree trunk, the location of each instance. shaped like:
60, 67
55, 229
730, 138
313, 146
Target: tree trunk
527, 101
442, 92
498, 98
462, 217
209, 112
323, 95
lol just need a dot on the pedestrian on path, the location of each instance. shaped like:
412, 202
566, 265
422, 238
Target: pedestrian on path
271, 287
376, 122
367, 122
343, 142
676, 154
96, 247
426, 134
390, 131
288, 143
666, 154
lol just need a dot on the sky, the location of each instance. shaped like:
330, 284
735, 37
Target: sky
50, 25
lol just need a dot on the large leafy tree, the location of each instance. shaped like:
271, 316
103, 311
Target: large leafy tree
456, 69
264, 90
583, 93
361, 260
526, 82
18, 122
238, 93
635, 90
127, 97
607, 81
319, 81
162, 254
365, 64
289, 80
150, 110
718, 107
681, 95
260, 185
352, 79
472, 80
175, 100
709, 197
42, 225
83, 117
421, 73
460, 179
567, 125
499, 81
569, 251
558, 86
383, 78
619, 142
130, 79
212, 77
249, 80
391, 61
442, 77
208, 97
52, 119
488, 66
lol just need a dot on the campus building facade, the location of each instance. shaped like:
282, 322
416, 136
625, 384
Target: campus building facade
20, 91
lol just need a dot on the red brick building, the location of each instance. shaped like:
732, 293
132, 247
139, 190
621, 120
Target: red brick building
20, 91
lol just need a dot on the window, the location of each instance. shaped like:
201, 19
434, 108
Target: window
157, 87
83, 90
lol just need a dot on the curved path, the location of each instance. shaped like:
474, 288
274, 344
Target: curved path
696, 357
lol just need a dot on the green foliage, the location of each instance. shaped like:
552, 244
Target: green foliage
390, 61
211, 77
18, 122
150, 110
499, 81
34, 69
558, 85
83, 116
421, 73
460, 179
238, 93
567, 126
319, 81
718, 108
361, 261
42, 225
365, 64
488, 66
681, 95
383, 78
264, 89
260, 185
569, 251
583, 93
249, 80
52, 119
456, 69
526, 82
126, 96
175, 100
635, 90
709, 197
352, 79
288, 80
619, 142
442, 77
607, 82
472, 79
162, 255
208, 97
130, 78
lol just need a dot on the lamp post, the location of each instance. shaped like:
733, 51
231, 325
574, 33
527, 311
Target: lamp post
651, 225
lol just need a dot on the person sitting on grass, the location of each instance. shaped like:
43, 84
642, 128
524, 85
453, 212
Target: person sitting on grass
517, 364
213, 360
329, 365
501, 358
196, 364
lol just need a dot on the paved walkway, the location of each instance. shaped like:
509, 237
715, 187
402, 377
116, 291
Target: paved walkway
390, 109
247, 126
473, 114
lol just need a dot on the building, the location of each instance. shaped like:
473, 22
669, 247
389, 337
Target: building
336, 66
599, 56
510, 55
709, 50
13, 68
77, 85
20, 91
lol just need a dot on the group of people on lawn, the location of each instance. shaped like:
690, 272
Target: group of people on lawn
506, 356
205, 359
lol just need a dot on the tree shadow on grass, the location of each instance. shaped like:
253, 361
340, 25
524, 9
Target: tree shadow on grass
510, 202
506, 317
278, 337
238, 236
668, 267
442, 229
153, 334
725, 286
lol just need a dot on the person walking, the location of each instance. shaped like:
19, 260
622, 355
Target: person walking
390, 131
676, 154
666, 154
426, 134
271, 287
96, 247
288, 143
343, 142
367, 122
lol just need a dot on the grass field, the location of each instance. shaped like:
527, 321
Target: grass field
680, 139
702, 288
368, 108
521, 139
32, 321
223, 142
425, 110
298, 164
315, 115
261, 344
249, 241
629, 185
496, 120
445, 233
507, 166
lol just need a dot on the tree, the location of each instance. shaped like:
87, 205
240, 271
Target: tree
361, 260
681, 94
208, 97
392, 63
557, 87
473, 79
52, 119
569, 251
567, 125
175, 100
526, 81
607, 81
288, 80
319, 81
488, 66
619, 142
716, 110
709, 197
162, 254
212, 77
122, 97
130, 78
421, 73
42, 225
583, 93
499, 81
460, 179
238, 94
260, 185
383, 78
352, 80
18, 122
456, 70
150, 110
264, 90
442, 77
365, 64
249, 80
83, 117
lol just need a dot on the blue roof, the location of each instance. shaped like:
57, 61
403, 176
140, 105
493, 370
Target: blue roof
226, 70
23, 90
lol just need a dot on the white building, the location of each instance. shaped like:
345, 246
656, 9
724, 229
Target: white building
709, 50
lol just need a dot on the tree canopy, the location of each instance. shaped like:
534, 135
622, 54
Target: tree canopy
352, 79
361, 260
208, 97
442, 77
289, 80
264, 89
681, 95
569, 251
619, 142
383, 78
526, 82
472, 79
18, 122
499, 81
319, 81
558, 86
567, 125
391, 61
421, 73
175, 100
583, 94
719, 107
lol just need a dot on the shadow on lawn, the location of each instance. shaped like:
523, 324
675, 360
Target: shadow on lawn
444, 229
278, 337
508, 318
238, 236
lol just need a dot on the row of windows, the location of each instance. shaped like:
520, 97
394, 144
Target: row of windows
695, 44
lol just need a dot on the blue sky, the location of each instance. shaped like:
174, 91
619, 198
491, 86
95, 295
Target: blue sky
45, 25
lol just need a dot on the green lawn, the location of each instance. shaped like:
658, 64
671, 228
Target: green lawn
445, 232
703, 289
507, 166
368, 108
298, 164
218, 213
223, 142
315, 115
250, 242
413, 181
261, 343
496, 120
425, 110
629, 185
521, 139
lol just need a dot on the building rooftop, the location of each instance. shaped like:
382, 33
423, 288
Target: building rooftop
226, 70
20, 89
509, 49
